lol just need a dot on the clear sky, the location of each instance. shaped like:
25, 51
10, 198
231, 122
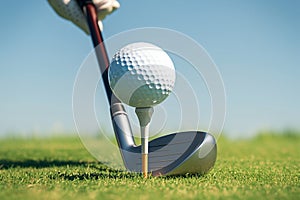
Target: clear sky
255, 44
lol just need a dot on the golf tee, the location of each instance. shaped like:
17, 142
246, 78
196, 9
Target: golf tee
144, 144
144, 116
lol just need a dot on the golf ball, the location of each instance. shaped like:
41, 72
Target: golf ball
141, 74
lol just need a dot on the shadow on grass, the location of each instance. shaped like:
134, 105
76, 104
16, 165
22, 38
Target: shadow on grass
181, 176
7, 164
110, 174
116, 174
102, 171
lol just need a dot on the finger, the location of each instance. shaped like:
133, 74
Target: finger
69, 10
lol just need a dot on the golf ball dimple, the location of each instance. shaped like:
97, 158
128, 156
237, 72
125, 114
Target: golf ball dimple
141, 74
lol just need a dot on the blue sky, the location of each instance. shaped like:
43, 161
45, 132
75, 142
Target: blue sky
255, 45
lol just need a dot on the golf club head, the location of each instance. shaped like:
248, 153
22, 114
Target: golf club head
192, 152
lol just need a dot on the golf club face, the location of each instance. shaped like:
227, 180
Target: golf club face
173, 154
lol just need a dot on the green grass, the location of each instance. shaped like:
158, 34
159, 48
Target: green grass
266, 167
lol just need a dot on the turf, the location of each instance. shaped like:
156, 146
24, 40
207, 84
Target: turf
266, 167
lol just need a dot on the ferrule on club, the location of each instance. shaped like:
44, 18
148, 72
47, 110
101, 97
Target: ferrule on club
144, 115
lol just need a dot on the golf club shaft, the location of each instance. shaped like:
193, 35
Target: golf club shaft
92, 20
118, 113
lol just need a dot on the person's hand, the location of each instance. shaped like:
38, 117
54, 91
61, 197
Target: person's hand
70, 10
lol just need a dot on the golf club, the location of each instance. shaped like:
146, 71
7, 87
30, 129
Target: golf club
178, 153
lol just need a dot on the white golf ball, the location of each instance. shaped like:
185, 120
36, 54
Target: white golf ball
141, 74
